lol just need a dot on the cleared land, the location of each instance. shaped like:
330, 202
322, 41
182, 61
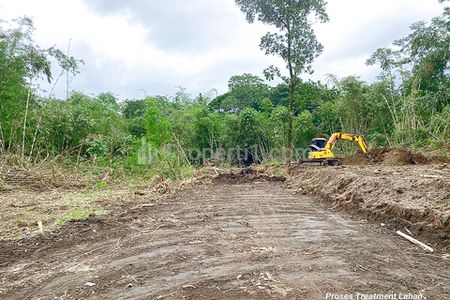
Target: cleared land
238, 236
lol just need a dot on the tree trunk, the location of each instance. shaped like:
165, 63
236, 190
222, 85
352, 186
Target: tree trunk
292, 84
35, 137
2, 140
290, 133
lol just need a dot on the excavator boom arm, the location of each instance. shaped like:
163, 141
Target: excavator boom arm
348, 137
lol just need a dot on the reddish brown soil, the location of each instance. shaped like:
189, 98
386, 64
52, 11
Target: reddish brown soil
223, 240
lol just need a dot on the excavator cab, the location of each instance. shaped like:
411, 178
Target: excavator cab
318, 144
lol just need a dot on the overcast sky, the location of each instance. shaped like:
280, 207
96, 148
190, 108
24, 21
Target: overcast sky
150, 47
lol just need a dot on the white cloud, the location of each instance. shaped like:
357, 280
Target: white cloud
358, 27
158, 45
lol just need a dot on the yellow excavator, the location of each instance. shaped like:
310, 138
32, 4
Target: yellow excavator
321, 149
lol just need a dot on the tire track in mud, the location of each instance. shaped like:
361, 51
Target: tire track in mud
226, 241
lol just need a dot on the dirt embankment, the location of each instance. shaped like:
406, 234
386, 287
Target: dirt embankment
415, 196
394, 157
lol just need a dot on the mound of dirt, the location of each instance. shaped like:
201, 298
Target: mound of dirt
393, 157
401, 157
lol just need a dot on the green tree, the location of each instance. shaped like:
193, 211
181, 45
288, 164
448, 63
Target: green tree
109, 100
421, 58
279, 121
422, 61
22, 62
134, 112
249, 135
245, 91
304, 128
159, 127
295, 41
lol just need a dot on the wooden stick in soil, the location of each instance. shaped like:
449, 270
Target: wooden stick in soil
414, 241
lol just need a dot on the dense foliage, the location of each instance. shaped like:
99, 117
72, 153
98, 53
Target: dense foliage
408, 106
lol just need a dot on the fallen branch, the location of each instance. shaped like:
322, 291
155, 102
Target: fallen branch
414, 241
431, 176
131, 276
409, 232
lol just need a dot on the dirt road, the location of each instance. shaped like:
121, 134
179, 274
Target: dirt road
226, 241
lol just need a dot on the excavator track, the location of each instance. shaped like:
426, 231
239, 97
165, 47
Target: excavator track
321, 162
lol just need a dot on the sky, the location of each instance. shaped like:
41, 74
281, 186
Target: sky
138, 48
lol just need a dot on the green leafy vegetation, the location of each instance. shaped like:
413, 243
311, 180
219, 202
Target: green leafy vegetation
407, 106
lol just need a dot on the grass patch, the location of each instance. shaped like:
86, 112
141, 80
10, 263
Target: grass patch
101, 184
79, 206
21, 216
81, 213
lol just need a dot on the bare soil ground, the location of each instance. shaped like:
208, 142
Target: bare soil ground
233, 238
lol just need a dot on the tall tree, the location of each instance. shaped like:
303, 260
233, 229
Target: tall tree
245, 91
295, 41
22, 62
